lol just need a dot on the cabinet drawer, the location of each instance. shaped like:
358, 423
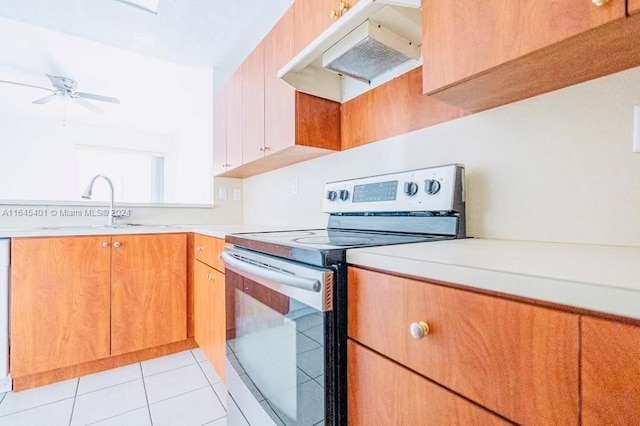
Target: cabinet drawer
516, 359
610, 373
382, 392
208, 250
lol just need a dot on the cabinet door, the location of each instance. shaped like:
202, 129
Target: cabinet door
312, 18
218, 321
234, 121
381, 392
633, 6
210, 326
59, 302
279, 97
490, 350
202, 308
467, 37
148, 291
220, 131
610, 373
252, 71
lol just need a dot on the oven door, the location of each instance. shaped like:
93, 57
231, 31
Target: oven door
280, 340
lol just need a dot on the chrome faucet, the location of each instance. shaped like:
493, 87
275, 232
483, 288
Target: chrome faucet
87, 196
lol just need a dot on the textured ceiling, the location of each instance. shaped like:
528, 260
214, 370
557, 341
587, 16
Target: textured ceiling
194, 33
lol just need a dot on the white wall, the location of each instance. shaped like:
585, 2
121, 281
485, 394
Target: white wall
558, 167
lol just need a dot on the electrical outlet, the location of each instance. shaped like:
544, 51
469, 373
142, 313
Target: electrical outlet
236, 195
222, 194
294, 186
636, 129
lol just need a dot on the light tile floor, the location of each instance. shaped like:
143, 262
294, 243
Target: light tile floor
180, 389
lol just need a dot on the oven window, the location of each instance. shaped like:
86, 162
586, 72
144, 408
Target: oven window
276, 346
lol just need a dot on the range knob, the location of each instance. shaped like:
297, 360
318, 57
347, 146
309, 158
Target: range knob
344, 194
331, 195
431, 186
410, 188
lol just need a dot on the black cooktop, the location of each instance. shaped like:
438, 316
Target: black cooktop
320, 247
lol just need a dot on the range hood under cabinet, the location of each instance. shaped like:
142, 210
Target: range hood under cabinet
372, 43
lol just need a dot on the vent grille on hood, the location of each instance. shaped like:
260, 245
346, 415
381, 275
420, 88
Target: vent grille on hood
367, 60
372, 43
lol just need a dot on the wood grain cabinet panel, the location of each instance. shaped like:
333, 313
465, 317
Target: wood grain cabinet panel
518, 360
234, 120
208, 250
279, 96
297, 126
210, 325
252, 72
610, 373
478, 55
391, 109
148, 291
312, 18
220, 131
382, 393
59, 302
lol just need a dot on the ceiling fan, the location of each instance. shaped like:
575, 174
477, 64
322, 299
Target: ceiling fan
66, 87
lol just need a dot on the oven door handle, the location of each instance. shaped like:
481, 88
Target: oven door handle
271, 274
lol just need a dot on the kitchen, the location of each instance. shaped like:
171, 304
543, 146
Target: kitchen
543, 169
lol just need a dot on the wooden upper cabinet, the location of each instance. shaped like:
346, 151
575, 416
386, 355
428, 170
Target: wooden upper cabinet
381, 392
518, 360
633, 6
234, 120
279, 96
148, 291
252, 72
220, 130
391, 109
466, 39
610, 373
312, 18
59, 302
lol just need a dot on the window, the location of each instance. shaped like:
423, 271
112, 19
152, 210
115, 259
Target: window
137, 176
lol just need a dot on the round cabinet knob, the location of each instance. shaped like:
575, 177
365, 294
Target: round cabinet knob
344, 194
116, 244
600, 2
418, 329
105, 244
410, 188
331, 195
199, 248
431, 186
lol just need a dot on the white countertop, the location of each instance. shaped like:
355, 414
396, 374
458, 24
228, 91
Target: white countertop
600, 278
218, 231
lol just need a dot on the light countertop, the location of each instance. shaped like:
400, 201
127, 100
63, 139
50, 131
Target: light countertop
218, 231
599, 278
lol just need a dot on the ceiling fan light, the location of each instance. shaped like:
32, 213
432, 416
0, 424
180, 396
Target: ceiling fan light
147, 5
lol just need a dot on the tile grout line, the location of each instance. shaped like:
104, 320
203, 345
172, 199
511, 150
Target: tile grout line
4, 395
211, 384
75, 396
180, 394
146, 397
114, 416
32, 408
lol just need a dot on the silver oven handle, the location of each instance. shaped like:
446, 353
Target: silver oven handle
272, 275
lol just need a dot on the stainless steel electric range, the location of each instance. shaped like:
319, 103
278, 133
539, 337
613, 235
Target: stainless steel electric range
286, 292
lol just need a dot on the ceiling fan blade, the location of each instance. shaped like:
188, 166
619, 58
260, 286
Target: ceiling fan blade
62, 83
27, 85
46, 99
98, 97
88, 105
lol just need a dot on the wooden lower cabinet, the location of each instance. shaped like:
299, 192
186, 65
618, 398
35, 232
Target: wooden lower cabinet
209, 314
148, 291
59, 302
516, 359
382, 392
633, 6
610, 373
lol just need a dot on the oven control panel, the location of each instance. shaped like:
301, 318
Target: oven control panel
435, 189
